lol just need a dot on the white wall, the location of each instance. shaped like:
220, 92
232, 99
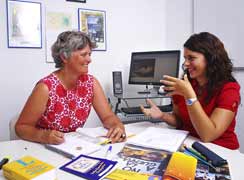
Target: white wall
131, 26
225, 19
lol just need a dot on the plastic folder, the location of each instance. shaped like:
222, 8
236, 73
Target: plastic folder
212, 157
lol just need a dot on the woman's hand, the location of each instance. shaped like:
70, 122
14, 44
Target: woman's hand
53, 137
153, 112
178, 86
116, 134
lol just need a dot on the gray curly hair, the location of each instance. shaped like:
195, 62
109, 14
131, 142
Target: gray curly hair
68, 42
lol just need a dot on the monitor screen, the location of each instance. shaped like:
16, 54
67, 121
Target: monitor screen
148, 68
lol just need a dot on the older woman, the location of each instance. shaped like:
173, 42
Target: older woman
206, 102
61, 101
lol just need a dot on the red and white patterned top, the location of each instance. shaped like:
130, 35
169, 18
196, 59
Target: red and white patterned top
66, 109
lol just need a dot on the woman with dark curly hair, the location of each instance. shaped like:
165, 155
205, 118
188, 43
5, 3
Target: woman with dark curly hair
206, 99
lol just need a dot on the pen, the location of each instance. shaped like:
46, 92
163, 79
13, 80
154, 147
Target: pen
200, 159
109, 151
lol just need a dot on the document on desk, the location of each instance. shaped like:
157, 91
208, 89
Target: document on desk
98, 133
75, 144
93, 132
160, 138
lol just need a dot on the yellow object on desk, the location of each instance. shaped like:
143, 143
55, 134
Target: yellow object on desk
27, 168
108, 141
119, 174
181, 166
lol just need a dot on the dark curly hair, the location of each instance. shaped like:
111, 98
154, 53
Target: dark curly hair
219, 65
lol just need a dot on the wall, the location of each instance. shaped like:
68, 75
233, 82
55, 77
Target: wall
225, 21
131, 26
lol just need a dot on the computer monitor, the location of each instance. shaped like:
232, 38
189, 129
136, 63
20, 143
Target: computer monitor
148, 68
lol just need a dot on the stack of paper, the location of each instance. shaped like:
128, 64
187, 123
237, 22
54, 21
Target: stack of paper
160, 138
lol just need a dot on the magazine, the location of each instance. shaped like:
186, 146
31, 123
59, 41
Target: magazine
141, 160
205, 172
89, 167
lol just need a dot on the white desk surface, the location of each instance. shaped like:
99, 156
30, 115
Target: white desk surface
19, 148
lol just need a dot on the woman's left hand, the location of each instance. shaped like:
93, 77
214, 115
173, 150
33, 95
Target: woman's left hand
178, 86
116, 134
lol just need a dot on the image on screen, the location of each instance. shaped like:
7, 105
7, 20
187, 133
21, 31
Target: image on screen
148, 68
143, 68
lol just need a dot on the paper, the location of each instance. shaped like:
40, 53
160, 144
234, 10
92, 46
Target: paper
98, 133
93, 132
76, 144
160, 138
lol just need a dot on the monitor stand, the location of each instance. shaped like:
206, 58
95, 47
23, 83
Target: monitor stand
146, 91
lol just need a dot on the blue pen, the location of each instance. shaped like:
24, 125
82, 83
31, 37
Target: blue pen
109, 151
200, 159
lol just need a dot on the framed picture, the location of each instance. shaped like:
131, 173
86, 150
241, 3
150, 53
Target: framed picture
93, 22
57, 21
82, 1
24, 24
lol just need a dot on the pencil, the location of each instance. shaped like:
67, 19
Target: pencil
107, 141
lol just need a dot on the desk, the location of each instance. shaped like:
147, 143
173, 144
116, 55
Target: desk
19, 148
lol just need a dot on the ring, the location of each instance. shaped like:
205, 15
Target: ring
123, 136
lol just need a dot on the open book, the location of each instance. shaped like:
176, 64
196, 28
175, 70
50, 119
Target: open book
75, 144
83, 141
98, 133
160, 138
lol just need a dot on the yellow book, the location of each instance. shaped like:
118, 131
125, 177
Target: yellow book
27, 168
181, 167
119, 174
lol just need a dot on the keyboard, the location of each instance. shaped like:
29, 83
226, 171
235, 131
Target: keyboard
126, 119
137, 109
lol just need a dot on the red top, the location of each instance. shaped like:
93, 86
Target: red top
227, 98
66, 109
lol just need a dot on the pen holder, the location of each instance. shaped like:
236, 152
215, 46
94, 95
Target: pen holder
214, 159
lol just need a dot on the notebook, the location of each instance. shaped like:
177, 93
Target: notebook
75, 144
160, 138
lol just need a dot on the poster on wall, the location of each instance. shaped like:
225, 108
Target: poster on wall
24, 24
93, 22
56, 22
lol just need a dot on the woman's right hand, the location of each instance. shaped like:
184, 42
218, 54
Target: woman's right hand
53, 137
153, 111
